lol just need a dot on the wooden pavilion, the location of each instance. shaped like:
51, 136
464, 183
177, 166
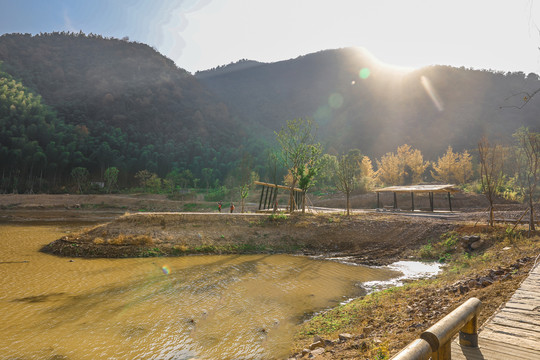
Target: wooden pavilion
419, 189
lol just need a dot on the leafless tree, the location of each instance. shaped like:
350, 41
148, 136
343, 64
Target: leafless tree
347, 174
491, 159
529, 161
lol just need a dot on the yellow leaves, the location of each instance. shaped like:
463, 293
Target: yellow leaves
405, 167
453, 167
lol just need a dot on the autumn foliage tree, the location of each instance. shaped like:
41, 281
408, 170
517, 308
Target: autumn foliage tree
453, 167
405, 167
367, 175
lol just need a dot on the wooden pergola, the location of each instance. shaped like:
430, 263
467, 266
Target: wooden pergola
270, 200
419, 189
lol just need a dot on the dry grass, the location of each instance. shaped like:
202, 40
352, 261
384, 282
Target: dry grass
383, 323
144, 240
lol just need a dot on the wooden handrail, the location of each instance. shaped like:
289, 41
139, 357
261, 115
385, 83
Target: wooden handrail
419, 349
439, 337
278, 186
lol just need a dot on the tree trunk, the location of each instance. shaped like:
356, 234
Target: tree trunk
348, 203
291, 197
491, 215
532, 227
303, 197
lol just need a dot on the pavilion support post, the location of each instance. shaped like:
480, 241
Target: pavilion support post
260, 200
266, 197
412, 201
450, 201
395, 200
431, 201
378, 201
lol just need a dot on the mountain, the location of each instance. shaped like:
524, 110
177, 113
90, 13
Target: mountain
134, 108
72, 100
362, 103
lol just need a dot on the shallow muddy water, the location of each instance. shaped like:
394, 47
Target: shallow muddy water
206, 307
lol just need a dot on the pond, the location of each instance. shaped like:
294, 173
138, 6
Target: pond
205, 307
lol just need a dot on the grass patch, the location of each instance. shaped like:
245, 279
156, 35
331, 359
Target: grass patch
442, 249
194, 207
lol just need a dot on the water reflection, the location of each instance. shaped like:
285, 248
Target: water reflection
225, 307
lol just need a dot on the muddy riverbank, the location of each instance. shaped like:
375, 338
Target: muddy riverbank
374, 239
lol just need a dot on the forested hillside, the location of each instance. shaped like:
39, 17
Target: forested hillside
361, 103
72, 101
123, 103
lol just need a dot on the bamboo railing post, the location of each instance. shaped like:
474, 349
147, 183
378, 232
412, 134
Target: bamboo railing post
468, 335
260, 200
266, 197
270, 198
275, 199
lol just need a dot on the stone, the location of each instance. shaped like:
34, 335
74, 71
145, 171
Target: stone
485, 281
477, 244
317, 338
305, 352
316, 352
316, 345
328, 342
345, 337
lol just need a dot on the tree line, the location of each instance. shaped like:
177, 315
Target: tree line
510, 171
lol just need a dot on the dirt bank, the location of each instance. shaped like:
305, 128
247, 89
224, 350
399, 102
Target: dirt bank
368, 238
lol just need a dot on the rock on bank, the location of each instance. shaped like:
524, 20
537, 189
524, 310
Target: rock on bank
369, 238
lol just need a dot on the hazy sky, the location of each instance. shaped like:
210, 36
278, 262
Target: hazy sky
200, 34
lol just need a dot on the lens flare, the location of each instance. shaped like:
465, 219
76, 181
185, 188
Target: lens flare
335, 100
430, 90
364, 73
166, 270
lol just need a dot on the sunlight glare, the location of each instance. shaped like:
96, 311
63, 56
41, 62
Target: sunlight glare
430, 90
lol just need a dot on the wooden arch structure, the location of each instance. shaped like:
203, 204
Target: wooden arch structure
419, 189
269, 201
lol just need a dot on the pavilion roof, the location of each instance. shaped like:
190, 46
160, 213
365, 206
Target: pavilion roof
420, 189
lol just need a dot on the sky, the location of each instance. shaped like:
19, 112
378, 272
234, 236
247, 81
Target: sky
502, 35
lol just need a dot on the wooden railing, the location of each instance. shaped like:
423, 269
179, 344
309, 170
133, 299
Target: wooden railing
435, 342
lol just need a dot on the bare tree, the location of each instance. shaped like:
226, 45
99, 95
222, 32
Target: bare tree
529, 161
491, 171
347, 174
